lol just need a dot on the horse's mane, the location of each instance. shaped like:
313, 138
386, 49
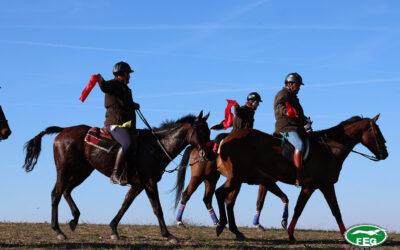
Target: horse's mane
167, 125
338, 128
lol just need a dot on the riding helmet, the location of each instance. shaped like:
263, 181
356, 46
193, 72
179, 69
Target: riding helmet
254, 96
121, 67
294, 77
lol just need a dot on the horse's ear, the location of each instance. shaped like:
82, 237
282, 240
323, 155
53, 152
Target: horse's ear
206, 116
376, 118
200, 115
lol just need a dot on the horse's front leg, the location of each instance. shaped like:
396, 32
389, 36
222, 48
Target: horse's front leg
129, 197
152, 193
330, 196
304, 195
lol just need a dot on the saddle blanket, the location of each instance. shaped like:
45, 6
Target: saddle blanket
100, 140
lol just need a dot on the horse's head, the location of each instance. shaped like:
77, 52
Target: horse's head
199, 133
373, 139
4, 129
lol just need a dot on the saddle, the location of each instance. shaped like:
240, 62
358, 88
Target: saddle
288, 148
101, 139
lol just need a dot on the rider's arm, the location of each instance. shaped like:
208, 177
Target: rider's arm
280, 105
105, 86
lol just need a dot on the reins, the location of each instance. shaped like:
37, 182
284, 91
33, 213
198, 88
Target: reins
158, 141
370, 157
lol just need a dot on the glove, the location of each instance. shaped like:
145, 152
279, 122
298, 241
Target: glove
307, 127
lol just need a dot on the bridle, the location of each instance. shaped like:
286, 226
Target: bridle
370, 157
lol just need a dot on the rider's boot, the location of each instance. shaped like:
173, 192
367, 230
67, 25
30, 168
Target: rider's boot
119, 163
298, 162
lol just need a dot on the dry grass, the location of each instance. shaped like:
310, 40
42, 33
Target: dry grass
92, 236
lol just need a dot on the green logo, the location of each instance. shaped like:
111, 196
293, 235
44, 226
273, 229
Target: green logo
365, 235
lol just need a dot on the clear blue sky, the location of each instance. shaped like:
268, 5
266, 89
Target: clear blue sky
190, 56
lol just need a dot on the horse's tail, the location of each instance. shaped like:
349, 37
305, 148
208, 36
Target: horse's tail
180, 179
34, 146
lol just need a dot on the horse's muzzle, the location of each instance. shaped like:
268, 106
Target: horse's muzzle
5, 133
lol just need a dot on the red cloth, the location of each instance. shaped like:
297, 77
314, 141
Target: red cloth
228, 114
93, 80
212, 145
291, 111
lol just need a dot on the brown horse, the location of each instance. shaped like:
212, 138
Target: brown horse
5, 130
75, 160
254, 157
206, 171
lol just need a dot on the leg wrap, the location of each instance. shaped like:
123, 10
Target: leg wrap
256, 218
180, 212
291, 227
342, 227
285, 211
213, 216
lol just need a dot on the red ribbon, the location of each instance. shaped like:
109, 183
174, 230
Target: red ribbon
228, 114
291, 111
93, 80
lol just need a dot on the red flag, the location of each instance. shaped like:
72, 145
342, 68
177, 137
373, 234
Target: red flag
93, 80
291, 111
228, 114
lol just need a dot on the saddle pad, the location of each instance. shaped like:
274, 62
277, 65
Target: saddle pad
99, 140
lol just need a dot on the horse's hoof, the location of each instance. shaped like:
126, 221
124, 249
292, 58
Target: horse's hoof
240, 236
61, 236
114, 237
180, 224
260, 228
72, 225
284, 224
172, 240
219, 229
292, 239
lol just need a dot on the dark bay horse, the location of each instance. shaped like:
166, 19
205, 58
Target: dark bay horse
254, 157
206, 171
75, 160
5, 130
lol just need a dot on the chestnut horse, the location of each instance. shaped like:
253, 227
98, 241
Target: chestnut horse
206, 171
75, 160
254, 157
5, 130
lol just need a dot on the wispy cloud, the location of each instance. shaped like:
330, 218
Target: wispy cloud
211, 27
232, 90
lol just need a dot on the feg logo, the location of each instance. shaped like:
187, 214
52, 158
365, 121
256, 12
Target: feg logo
365, 235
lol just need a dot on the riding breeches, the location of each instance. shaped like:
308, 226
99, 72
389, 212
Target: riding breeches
122, 136
295, 139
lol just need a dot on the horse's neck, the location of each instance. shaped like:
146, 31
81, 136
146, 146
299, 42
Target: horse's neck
345, 142
175, 141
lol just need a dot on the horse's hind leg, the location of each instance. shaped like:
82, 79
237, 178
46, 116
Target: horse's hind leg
262, 192
55, 200
274, 188
194, 183
210, 183
74, 181
222, 195
230, 203
129, 197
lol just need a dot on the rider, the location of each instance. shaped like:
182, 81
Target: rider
290, 119
244, 115
120, 115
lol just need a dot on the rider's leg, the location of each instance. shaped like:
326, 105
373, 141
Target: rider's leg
123, 137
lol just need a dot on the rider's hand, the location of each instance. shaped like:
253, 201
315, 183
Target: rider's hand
100, 78
137, 106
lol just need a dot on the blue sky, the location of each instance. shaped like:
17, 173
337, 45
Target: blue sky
190, 56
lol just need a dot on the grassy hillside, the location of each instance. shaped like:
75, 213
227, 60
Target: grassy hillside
40, 235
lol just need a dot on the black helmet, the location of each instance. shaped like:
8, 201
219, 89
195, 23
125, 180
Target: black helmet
254, 96
294, 77
121, 67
